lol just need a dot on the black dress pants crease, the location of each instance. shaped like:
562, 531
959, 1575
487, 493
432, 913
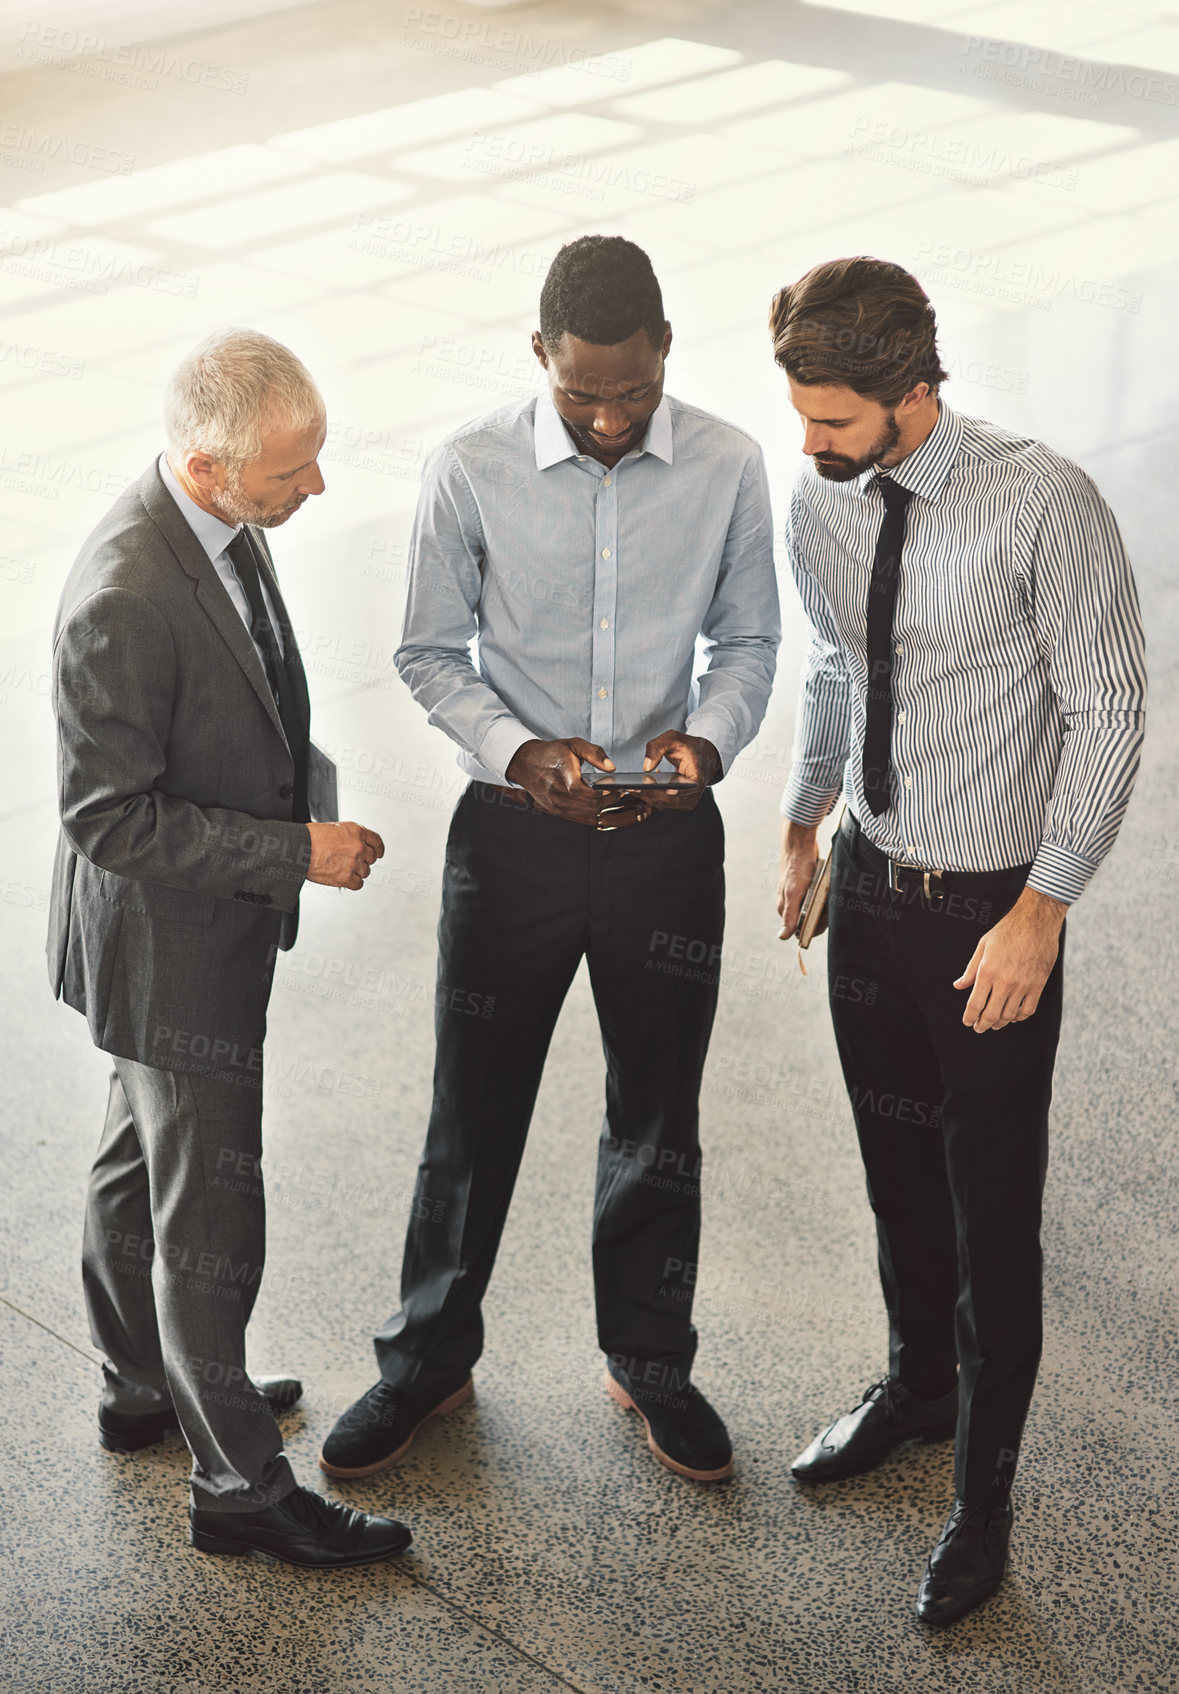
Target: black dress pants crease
953, 1129
525, 896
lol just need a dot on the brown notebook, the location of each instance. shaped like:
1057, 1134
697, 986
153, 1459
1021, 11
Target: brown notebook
812, 919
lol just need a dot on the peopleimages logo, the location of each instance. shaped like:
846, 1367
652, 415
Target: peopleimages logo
44, 361
132, 64
503, 154
434, 248
1085, 80
953, 157
474, 39
1023, 281
86, 268
31, 149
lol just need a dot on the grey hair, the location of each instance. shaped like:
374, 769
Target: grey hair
229, 389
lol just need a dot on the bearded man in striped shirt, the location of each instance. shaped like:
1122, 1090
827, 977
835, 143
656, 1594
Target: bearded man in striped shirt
975, 684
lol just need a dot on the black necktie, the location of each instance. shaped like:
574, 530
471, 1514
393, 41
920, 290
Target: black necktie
882, 595
245, 563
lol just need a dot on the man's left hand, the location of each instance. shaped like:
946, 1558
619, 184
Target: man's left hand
1012, 963
692, 757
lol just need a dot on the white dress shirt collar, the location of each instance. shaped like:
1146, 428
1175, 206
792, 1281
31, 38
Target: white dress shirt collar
554, 443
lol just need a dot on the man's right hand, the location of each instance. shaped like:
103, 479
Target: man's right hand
342, 854
551, 772
799, 855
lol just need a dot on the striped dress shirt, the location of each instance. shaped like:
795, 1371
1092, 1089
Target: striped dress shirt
1018, 670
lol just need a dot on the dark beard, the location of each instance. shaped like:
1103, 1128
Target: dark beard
837, 467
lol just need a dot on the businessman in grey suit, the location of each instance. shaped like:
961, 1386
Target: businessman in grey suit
184, 766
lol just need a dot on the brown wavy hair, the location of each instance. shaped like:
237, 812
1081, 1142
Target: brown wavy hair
861, 323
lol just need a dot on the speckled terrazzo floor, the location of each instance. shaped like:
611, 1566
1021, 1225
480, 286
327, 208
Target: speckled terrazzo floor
551, 1552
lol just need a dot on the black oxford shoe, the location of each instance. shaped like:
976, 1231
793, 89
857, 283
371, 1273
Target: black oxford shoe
301, 1529
683, 1431
966, 1566
887, 1416
127, 1432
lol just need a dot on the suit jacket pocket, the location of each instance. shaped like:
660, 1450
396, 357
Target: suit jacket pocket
178, 905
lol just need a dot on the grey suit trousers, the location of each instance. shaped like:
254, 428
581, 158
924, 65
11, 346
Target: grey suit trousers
174, 1244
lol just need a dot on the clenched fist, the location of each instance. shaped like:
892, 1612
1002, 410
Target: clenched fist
342, 854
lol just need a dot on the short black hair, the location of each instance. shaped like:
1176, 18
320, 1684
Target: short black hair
601, 289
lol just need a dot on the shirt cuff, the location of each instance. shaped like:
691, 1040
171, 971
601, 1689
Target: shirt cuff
710, 726
1059, 874
500, 746
806, 803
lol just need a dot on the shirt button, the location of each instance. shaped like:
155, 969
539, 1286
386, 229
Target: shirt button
606, 481
908, 782
605, 552
900, 717
601, 693
910, 851
605, 624
900, 649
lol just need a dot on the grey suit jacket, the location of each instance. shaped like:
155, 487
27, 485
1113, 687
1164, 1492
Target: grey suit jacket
178, 865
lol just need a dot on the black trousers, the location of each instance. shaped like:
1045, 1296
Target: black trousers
953, 1129
524, 897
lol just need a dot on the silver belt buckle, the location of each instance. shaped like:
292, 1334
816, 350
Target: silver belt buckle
609, 811
931, 881
894, 886
933, 894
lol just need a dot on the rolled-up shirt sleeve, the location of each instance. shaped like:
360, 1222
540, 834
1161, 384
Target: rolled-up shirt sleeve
742, 626
822, 729
1085, 610
434, 658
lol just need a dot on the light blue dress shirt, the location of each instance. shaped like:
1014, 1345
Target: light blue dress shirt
215, 536
552, 597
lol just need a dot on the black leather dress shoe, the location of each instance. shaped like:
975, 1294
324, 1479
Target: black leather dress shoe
127, 1432
373, 1434
301, 1529
886, 1416
683, 1431
966, 1566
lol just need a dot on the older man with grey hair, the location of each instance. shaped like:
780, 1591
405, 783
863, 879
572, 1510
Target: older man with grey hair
186, 784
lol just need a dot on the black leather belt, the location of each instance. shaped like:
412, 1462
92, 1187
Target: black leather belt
611, 808
934, 884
